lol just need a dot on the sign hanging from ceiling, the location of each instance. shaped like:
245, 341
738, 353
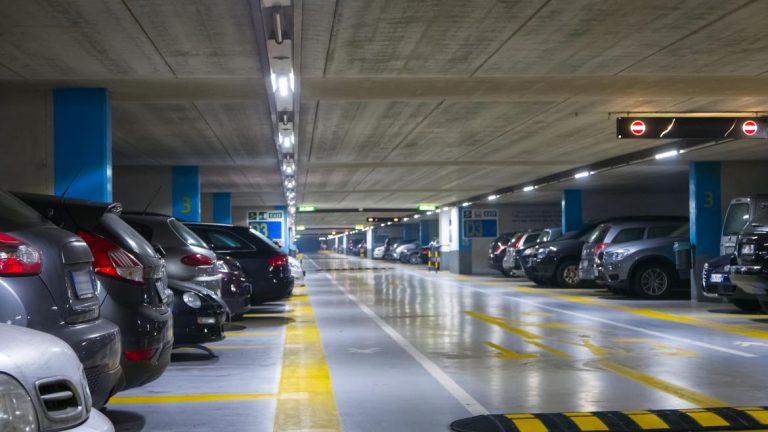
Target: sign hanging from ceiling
383, 219
691, 127
269, 223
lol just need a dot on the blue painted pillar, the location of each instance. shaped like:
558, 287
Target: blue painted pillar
185, 181
424, 234
410, 231
465, 244
222, 207
82, 143
571, 210
704, 188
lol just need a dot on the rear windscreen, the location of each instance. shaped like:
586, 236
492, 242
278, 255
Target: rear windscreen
14, 214
186, 234
736, 219
128, 236
598, 234
263, 242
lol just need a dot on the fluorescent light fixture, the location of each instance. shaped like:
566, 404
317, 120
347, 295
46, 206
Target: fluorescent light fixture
406, 218
282, 86
438, 210
582, 174
466, 204
416, 216
321, 238
290, 182
300, 228
529, 188
667, 154
492, 197
383, 224
273, 78
292, 80
429, 213
389, 223
333, 232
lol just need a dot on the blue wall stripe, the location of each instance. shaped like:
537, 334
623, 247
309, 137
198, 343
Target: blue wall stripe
704, 201
571, 210
222, 207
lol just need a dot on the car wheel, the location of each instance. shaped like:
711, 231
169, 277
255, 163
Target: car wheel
414, 259
539, 281
567, 274
653, 281
506, 272
747, 305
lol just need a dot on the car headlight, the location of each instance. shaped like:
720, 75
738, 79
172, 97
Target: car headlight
192, 300
543, 252
221, 267
17, 413
616, 255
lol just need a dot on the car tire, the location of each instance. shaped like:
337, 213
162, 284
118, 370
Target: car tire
539, 281
747, 305
567, 274
506, 273
653, 280
414, 259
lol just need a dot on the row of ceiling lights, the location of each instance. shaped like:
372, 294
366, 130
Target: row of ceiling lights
282, 81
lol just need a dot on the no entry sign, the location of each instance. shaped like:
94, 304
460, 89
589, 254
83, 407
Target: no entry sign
691, 127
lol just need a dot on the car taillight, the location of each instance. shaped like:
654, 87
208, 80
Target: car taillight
197, 260
500, 247
601, 247
517, 242
140, 355
111, 260
278, 261
18, 258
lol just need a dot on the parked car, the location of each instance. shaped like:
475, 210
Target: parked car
498, 250
645, 268
199, 314
623, 230
187, 257
44, 387
47, 283
406, 247
378, 252
510, 265
716, 282
750, 270
135, 295
390, 245
738, 216
297, 270
264, 264
549, 234
235, 288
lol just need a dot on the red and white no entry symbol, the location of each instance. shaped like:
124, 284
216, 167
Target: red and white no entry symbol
637, 127
749, 127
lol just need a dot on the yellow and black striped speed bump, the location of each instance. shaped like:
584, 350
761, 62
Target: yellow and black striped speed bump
699, 419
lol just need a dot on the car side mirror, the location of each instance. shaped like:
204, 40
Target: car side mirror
159, 249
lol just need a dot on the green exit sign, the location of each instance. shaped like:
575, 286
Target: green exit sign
427, 207
305, 209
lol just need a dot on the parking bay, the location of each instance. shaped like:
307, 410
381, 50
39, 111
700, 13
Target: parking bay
369, 346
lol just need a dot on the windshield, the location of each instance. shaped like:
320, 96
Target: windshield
761, 213
736, 219
186, 234
683, 231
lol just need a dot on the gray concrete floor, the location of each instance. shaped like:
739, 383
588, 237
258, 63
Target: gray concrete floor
409, 350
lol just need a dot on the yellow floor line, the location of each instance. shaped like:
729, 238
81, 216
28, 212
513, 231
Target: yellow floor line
189, 398
247, 333
306, 401
649, 313
680, 392
501, 323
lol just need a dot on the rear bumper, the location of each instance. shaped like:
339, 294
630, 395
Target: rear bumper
104, 384
751, 280
272, 290
197, 326
138, 373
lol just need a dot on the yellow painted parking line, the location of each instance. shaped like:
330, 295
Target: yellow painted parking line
587, 421
189, 398
706, 418
649, 313
527, 423
250, 333
647, 420
549, 349
501, 323
505, 353
306, 401
698, 399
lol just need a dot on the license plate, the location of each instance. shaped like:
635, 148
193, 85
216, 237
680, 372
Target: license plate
84, 284
716, 278
748, 249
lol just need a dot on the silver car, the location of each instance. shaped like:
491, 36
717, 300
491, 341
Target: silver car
187, 257
511, 266
645, 268
43, 385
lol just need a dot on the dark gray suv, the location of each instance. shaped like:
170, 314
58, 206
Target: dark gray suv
47, 284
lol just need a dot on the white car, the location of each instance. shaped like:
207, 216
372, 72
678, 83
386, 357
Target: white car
378, 253
297, 270
43, 386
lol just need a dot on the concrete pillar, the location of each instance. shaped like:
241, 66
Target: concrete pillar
185, 193
222, 207
706, 220
82, 143
369, 243
424, 234
344, 243
571, 210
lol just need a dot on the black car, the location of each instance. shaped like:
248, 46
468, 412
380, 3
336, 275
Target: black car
716, 282
750, 271
47, 283
135, 294
235, 288
498, 250
556, 262
264, 264
198, 314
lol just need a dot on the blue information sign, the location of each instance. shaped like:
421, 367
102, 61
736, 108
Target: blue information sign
480, 223
269, 223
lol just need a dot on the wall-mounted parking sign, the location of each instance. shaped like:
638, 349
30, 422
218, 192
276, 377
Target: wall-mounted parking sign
268, 222
479, 223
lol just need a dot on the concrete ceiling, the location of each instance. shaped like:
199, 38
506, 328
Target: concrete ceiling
402, 101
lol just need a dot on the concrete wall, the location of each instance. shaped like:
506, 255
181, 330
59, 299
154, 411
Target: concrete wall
598, 205
134, 187
240, 215
206, 207
741, 179
26, 132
